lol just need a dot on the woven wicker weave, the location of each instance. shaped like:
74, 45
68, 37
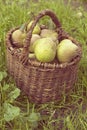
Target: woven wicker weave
42, 82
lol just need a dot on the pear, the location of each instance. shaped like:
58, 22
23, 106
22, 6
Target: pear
66, 51
36, 30
49, 33
20, 49
18, 36
34, 38
31, 55
45, 50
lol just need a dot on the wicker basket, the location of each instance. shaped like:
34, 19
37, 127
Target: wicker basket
41, 82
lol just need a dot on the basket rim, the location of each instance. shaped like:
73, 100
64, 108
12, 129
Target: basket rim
36, 63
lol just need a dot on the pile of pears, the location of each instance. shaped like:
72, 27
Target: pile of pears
44, 45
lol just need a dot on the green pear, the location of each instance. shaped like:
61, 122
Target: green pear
36, 30
45, 50
66, 51
34, 38
49, 33
18, 36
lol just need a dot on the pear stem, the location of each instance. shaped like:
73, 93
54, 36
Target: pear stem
22, 27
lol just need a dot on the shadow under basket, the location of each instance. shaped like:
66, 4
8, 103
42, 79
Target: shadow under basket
41, 82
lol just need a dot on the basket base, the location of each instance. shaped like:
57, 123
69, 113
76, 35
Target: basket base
41, 86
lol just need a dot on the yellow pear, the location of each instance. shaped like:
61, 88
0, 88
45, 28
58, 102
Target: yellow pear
66, 51
49, 33
36, 30
18, 36
34, 38
31, 55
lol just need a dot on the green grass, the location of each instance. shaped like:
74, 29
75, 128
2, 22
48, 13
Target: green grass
16, 112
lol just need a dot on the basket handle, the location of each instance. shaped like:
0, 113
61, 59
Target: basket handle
24, 55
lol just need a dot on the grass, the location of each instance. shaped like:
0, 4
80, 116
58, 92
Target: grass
16, 112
